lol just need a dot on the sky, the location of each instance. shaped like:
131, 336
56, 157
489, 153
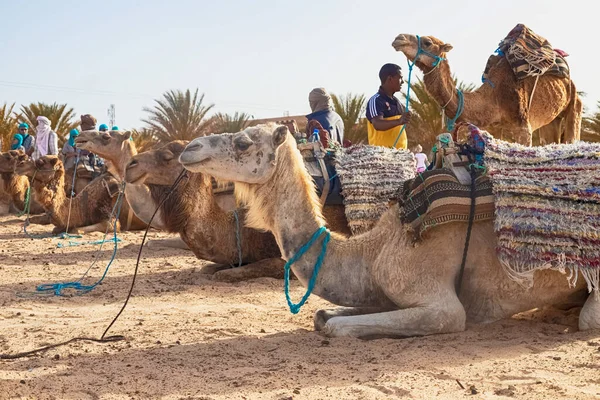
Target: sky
262, 57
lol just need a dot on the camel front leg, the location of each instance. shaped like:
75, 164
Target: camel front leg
175, 243
322, 316
269, 268
444, 316
98, 227
523, 135
589, 317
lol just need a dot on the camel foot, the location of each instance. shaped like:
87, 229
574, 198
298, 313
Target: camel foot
40, 220
322, 316
211, 269
442, 317
589, 318
174, 243
270, 268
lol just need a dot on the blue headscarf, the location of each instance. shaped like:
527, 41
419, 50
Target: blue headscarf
23, 125
103, 127
19, 137
114, 128
72, 135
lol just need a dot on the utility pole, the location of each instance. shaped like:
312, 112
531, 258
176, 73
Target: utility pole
111, 116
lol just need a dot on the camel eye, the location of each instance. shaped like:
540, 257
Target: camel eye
167, 156
243, 143
106, 137
427, 42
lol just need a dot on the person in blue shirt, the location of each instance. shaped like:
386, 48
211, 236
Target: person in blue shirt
321, 105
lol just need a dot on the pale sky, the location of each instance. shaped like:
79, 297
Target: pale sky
262, 57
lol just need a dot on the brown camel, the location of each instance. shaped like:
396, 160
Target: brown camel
90, 210
14, 186
117, 149
193, 212
506, 105
388, 287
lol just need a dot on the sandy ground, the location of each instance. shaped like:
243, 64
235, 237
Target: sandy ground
189, 337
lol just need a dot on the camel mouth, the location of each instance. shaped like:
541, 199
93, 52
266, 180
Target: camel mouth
400, 42
81, 142
135, 179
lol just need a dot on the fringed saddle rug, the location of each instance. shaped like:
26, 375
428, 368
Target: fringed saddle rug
370, 177
530, 55
437, 197
547, 208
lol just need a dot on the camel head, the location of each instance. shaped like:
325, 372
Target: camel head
156, 167
24, 166
9, 160
44, 170
248, 156
430, 48
104, 144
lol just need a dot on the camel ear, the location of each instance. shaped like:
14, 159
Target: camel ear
53, 161
128, 135
280, 135
446, 47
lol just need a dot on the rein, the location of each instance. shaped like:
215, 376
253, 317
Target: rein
295, 308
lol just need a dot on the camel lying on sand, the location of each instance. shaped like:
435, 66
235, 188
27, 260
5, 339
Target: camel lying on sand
388, 287
90, 210
13, 186
192, 211
507, 103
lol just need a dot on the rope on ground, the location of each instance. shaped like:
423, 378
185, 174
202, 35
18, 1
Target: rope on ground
104, 338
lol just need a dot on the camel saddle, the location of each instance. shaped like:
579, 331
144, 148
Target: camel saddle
320, 165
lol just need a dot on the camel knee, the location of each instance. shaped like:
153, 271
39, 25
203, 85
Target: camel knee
589, 317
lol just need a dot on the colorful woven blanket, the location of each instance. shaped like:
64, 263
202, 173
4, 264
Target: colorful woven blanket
530, 54
436, 197
547, 208
370, 177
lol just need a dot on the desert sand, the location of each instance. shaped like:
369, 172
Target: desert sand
190, 337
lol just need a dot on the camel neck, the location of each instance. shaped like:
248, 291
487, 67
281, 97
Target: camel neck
288, 206
440, 84
120, 160
52, 195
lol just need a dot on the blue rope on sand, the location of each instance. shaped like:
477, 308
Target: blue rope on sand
295, 308
57, 288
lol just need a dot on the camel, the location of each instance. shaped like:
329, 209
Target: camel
387, 286
506, 104
14, 186
117, 149
90, 210
193, 212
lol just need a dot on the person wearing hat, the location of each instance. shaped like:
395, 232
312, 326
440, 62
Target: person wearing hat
28, 140
46, 142
17, 142
103, 128
323, 112
69, 150
385, 114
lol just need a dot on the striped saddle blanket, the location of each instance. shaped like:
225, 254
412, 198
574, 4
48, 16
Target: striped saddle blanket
436, 197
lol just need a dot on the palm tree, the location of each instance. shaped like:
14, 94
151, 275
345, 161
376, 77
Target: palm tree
427, 120
7, 126
178, 115
144, 139
230, 123
61, 117
351, 108
591, 123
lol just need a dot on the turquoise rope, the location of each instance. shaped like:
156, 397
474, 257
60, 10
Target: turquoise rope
57, 288
295, 308
437, 60
450, 122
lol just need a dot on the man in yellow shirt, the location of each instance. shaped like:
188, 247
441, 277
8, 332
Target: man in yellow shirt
385, 114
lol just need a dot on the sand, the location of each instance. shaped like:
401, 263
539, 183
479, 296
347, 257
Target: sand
190, 337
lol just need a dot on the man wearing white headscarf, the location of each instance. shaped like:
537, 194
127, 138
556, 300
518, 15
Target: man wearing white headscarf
46, 140
321, 105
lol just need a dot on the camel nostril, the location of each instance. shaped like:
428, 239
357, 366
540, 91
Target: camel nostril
193, 147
